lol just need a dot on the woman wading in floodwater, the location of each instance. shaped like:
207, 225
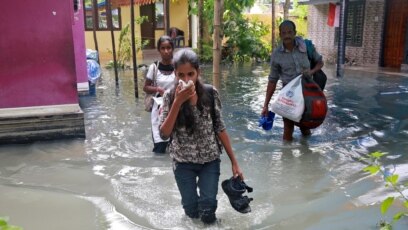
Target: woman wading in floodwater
192, 117
159, 78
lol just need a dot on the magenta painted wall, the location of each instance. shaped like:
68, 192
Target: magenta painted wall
78, 30
37, 62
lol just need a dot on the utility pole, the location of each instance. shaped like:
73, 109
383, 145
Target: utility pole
110, 22
132, 31
200, 26
273, 25
94, 8
286, 7
217, 43
166, 19
341, 48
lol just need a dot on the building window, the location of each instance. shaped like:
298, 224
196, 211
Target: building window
159, 12
355, 24
101, 15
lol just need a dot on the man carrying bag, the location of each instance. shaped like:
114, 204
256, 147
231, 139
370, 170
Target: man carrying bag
288, 61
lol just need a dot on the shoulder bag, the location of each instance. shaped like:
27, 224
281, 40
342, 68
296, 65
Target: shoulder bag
148, 100
319, 77
289, 102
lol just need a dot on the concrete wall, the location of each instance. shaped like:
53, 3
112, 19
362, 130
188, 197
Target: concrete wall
38, 75
37, 61
323, 35
79, 48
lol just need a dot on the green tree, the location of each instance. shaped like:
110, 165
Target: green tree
243, 37
299, 11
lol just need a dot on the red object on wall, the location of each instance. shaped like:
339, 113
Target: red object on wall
37, 62
331, 15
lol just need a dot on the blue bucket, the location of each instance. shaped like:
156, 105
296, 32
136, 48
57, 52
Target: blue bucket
267, 122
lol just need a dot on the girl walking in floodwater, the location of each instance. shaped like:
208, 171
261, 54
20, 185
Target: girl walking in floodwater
191, 116
160, 77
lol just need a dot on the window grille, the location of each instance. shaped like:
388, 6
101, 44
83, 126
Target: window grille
355, 24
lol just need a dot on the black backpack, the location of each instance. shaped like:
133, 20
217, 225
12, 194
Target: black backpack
319, 77
210, 90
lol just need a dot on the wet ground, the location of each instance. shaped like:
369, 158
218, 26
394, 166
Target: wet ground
111, 180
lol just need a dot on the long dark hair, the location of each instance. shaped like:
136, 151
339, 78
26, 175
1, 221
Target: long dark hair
185, 117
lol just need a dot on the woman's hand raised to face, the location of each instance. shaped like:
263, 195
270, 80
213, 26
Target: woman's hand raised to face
182, 95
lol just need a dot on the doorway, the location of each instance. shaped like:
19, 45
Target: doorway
395, 33
148, 26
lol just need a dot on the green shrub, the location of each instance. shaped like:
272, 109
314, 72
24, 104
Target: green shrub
207, 52
5, 226
245, 40
391, 181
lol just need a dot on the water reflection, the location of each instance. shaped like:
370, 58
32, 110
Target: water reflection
113, 179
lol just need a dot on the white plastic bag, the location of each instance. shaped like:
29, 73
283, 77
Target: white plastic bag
290, 103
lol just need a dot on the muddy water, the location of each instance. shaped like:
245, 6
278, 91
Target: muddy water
111, 180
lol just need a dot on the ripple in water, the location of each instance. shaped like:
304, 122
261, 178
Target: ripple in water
367, 142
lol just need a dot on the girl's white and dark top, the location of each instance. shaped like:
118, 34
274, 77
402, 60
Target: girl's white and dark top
165, 79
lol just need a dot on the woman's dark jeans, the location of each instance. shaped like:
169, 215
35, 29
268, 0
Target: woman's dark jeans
204, 204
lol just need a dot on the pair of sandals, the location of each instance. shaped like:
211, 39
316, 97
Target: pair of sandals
235, 188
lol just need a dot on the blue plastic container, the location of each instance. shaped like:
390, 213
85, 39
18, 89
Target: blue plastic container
267, 122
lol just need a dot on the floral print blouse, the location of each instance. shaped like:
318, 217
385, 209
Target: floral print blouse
202, 145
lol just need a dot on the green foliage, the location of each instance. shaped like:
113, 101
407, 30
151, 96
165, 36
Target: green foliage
386, 204
207, 53
372, 169
299, 11
230, 6
301, 27
124, 53
5, 226
391, 180
243, 36
384, 225
245, 40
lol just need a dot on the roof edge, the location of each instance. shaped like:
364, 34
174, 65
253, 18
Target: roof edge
317, 2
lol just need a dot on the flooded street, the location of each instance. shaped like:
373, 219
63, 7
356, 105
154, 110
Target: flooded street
112, 180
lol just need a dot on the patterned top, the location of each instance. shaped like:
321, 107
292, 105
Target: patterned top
287, 65
202, 145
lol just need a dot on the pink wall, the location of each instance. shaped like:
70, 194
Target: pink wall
37, 62
78, 30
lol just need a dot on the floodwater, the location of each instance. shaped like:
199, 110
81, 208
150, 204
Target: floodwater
112, 180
